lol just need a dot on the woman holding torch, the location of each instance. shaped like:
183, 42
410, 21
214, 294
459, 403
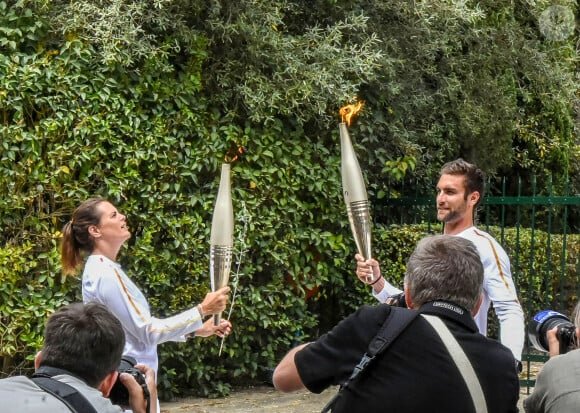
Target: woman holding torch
97, 230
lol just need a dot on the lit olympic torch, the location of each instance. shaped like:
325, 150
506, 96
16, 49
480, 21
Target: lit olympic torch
353, 187
222, 236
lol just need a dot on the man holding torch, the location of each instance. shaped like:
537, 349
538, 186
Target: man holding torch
459, 191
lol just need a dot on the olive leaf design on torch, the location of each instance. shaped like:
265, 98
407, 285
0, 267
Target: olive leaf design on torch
353, 186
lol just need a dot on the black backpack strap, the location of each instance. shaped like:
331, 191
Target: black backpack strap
70, 396
395, 323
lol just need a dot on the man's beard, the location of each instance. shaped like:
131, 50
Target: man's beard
451, 216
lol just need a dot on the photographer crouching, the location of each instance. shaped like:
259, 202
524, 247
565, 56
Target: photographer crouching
557, 386
79, 366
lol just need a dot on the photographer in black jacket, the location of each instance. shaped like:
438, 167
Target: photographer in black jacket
422, 369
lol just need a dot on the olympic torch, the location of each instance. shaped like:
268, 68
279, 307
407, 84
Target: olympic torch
222, 236
353, 187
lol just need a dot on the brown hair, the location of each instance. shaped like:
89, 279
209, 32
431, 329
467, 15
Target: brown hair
86, 340
474, 177
75, 235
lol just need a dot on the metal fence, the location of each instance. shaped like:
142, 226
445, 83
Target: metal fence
540, 230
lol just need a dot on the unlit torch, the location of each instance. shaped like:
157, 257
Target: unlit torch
222, 236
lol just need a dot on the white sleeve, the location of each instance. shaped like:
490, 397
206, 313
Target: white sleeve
387, 291
501, 291
512, 326
130, 306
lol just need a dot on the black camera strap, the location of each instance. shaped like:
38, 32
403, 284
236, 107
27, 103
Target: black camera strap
71, 397
397, 320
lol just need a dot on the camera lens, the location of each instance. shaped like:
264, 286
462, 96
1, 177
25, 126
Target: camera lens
544, 321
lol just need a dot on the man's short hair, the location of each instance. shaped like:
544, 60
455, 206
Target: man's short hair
445, 267
474, 177
86, 340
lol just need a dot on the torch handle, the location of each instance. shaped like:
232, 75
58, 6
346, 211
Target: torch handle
370, 278
220, 264
360, 225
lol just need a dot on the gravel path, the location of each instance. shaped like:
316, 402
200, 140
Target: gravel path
261, 399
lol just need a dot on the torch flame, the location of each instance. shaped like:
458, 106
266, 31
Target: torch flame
349, 111
234, 154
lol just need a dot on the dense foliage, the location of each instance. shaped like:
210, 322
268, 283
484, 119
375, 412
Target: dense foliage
141, 101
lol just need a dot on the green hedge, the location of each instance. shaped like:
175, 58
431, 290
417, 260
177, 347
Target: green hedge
273, 310
28, 294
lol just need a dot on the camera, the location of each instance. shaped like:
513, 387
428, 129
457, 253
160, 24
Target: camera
547, 320
119, 394
397, 300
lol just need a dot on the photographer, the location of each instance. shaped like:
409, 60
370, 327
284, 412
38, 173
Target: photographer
557, 386
436, 361
77, 367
